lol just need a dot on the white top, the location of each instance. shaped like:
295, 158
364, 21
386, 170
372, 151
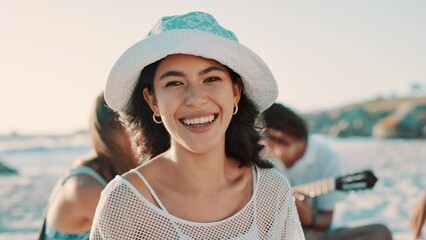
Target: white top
318, 162
123, 213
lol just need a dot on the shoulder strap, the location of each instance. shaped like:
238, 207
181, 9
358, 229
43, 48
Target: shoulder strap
43, 230
157, 199
150, 189
84, 170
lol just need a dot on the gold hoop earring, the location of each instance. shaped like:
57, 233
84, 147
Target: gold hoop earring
155, 119
235, 109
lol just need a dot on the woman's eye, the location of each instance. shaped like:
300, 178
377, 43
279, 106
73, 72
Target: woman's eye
173, 83
212, 79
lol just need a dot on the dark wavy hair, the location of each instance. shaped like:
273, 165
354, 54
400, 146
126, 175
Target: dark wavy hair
241, 138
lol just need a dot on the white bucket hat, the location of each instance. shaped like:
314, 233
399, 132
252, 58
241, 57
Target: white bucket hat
195, 33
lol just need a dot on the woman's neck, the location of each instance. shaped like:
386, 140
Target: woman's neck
202, 172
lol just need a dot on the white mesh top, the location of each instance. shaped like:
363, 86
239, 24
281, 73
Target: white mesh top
123, 213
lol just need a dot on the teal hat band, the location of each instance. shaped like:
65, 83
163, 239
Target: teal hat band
192, 21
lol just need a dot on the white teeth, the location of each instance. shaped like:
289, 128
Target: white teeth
201, 120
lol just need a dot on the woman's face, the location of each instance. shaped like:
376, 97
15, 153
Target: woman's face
195, 98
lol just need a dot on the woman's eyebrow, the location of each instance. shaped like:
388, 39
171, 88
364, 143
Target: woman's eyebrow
212, 68
171, 74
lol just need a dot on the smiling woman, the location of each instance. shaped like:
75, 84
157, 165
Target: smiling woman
195, 97
193, 105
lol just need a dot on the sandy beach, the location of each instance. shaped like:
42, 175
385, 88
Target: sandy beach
400, 166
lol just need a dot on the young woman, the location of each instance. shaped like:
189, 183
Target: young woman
194, 93
73, 201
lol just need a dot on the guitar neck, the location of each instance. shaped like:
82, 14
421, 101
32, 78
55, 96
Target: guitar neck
317, 188
355, 181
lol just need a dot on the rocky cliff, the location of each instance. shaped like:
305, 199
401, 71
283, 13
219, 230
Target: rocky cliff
381, 118
5, 170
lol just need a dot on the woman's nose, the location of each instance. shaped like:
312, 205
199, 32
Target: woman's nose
195, 95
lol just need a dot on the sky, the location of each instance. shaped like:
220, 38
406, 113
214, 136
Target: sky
55, 55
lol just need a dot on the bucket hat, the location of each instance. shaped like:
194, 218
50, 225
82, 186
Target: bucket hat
194, 33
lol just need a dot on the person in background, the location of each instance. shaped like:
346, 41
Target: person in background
303, 159
418, 217
73, 201
196, 92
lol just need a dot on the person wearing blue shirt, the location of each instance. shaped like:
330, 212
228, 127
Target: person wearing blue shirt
302, 159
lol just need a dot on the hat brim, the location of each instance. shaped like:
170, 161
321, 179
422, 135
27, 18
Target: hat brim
259, 83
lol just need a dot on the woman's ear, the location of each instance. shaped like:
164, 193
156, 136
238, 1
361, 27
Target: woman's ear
150, 99
237, 88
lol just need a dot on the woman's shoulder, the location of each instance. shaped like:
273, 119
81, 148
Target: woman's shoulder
117, 194
76, 199
135, 180
274, 195
117, 185
128, 187
272, 181
84, 184
272, 176
78, 188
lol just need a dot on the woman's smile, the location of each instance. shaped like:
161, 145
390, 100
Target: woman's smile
199, 124
199, 121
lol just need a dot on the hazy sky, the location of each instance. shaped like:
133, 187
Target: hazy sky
55, 55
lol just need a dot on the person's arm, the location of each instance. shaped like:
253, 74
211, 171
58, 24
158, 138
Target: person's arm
87, 194
311, 218
74, 205
418, 217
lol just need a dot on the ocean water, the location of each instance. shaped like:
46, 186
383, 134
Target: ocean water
400, 166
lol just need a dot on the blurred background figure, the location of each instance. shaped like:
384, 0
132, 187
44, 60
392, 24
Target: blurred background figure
418, 217
303, 159
73, 201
